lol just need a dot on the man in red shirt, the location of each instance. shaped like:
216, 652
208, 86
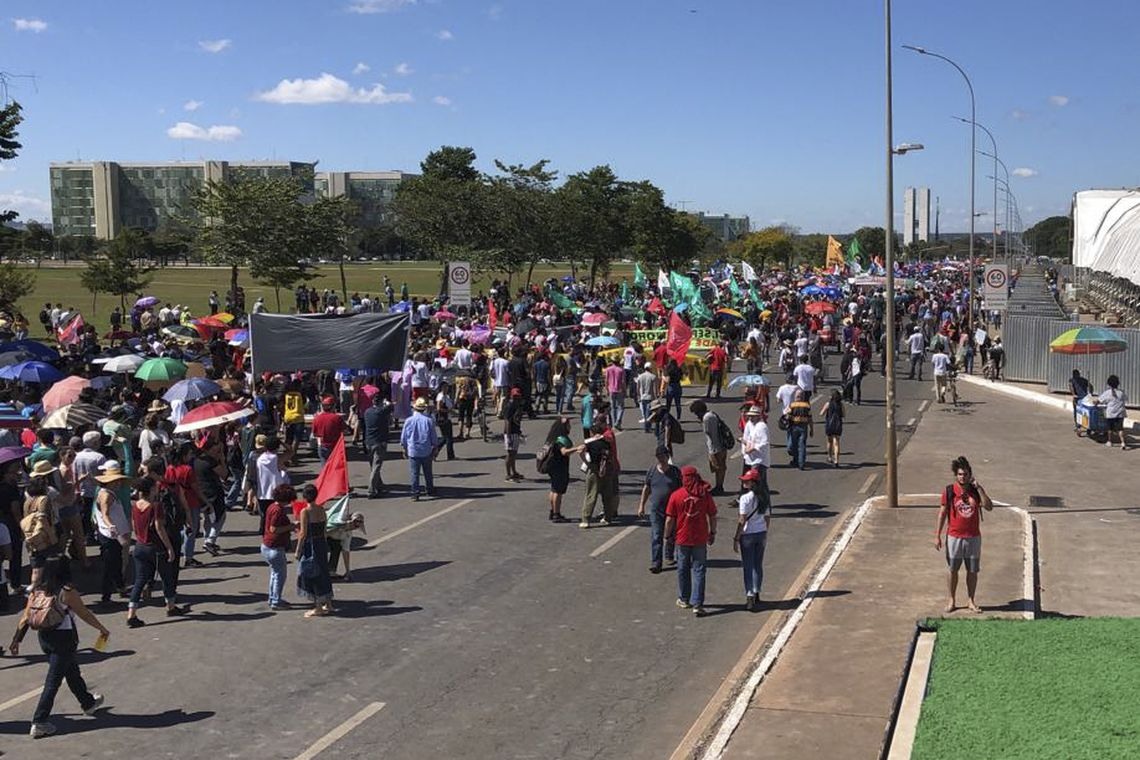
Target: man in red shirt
718, 362
328, 427
960, 516
690, 515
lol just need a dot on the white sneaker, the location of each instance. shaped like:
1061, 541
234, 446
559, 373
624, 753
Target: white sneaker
94, 705
583, 524
40, 730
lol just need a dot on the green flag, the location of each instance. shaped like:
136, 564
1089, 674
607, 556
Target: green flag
624, 291
638, 276
735, 290
755, 298
559, 300
854, 251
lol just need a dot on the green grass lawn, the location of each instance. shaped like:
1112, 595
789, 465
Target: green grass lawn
1033, 689
192, 285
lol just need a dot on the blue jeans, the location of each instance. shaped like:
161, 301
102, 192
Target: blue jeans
559, 396
190, 532
657, 538
645, 415
60, 648
916, 364
416, 465
323, 453
673, 396
212, 526
233, 493
617, 409
691, 574
275, 558
568, 387
797, 444
752, 561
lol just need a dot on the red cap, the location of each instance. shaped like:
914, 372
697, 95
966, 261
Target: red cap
516, 392
750, 476
328, 401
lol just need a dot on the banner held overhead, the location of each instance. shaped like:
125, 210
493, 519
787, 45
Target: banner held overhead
288, 342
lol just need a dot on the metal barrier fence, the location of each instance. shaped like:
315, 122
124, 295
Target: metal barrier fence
1028, 358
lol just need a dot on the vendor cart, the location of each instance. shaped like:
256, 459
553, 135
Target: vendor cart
1091, 421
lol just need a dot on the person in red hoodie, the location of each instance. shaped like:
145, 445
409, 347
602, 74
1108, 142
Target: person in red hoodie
718, 363
690, 518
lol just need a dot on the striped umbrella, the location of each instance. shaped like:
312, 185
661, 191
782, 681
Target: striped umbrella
1088, 340
72, 416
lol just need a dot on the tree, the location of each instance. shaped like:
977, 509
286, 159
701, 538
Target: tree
39, 240
1051, 237
10, 119
810, 249
15, 283
118, 272
381, 242
770, 245
325, 230
520, 210
591, 218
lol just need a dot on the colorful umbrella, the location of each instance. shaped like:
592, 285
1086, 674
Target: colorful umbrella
32, 372
64, 392
443, 314
749, 380
124, 363
594, 318
34, 347
730, 313
145, 302
211, 415
213, 323
1084, 341
603, 341
191, 389
72, 416
820, 307
223, 316
238, 333
163, 369
182, 332
12, 453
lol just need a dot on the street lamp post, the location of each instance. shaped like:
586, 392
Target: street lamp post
1008, 216
993, 142
973, 148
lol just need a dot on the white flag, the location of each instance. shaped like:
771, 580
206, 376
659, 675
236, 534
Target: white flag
662, 280
748, 271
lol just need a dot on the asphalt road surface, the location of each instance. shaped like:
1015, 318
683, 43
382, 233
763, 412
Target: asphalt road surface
473, 626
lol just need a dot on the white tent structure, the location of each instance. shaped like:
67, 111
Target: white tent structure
1106, 231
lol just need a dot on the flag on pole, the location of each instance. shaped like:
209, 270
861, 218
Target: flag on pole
834, 252
679, 338
333, 480
755, 298
854, 251
70, 332
734, 289
748, 271
638, 276
624, 291
337, 514
662, 280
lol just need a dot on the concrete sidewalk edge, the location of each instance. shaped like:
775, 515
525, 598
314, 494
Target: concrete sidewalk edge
1036, 397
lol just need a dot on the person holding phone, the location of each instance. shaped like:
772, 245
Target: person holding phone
961, 519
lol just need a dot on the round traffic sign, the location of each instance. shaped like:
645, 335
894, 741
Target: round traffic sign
995, 278
460, 275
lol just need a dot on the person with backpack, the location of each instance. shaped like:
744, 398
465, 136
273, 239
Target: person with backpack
553, 460
832, 414
960, 518
718, 440
690, 520
51, 610
148, 524
39, 524
751, 537
666, 426
800, 426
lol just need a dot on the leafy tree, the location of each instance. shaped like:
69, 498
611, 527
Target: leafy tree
1051, 237
770, 246
325, 230
15, 283
810, 249
39, 240
10, 119
381, 242
591, 219
118, 272
520, 210
444, 211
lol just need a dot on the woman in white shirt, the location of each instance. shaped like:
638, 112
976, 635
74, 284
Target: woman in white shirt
752, 535
113, 528
754, 443
1115, 402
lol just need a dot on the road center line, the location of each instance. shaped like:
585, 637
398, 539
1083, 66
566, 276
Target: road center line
911, 421
332, 737
417, 523
610, 543
923, 405
22, 698
867, 483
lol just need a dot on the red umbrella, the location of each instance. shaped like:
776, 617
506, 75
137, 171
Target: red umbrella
820, 307
231, 334
211, 415
594, 318
214, 322
64, 392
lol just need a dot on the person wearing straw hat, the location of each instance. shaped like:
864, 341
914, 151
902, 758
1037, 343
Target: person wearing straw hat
112, 526
754, 443
419, 441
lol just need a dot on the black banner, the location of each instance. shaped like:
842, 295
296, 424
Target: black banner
288, 342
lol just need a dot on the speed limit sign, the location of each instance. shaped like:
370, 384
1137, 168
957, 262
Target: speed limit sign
459, 283
996, 286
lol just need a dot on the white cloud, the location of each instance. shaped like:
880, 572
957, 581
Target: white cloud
361, 68
1019, 115
184, 130
328, 89
404, 69
1024, 171
191, 105
1059, 100
378, 6
441, 100
445, 35
28, 206
214, 46
29, 25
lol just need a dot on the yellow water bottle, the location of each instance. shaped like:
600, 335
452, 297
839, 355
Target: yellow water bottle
101, 643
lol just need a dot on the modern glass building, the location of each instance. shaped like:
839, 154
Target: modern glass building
725, 227
373, 192
100, 198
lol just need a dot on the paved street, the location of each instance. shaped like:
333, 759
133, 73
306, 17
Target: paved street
481, 630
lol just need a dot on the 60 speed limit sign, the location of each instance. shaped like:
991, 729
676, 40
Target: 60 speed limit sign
459, 283
996, 286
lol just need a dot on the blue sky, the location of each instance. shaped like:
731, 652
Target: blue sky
762, 107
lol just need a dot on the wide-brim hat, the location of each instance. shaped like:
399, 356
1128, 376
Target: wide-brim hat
158, 406
420, 404
42, 468
112, 472
754, 411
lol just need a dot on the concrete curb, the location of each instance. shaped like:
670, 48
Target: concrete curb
1026, 395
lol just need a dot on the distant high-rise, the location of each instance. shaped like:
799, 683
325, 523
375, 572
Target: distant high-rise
916, 215
724, 226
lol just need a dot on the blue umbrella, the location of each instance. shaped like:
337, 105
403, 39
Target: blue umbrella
192, 389
832, 293
568, 278
603, 341
749, 380
812, 290
681, 307
32, 372
34, 347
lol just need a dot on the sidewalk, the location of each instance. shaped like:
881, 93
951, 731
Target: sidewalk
830, 692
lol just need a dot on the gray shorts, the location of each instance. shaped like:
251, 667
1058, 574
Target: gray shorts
968, 550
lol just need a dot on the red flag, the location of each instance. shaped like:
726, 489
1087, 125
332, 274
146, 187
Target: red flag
679, 339
69, 333
333, 480
493, 315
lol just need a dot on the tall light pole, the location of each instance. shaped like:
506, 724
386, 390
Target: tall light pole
993, 142
973, 147
1008, 217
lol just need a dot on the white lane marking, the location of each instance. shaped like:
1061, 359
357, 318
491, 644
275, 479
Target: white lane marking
22, 698
923, 405
417, 523
332, 737
867, 483
716, 747
608, 544
911, 421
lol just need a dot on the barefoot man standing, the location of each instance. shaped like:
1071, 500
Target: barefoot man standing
960, 516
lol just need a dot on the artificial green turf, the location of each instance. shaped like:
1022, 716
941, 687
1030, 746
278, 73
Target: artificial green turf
1033, 689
